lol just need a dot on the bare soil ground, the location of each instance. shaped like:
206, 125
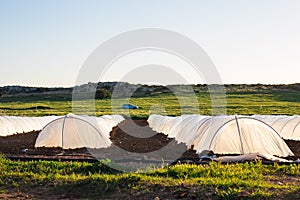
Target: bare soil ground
294, 146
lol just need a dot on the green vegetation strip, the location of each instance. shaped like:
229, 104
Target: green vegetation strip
243, 103
96, 180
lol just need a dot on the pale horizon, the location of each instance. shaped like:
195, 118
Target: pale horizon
37, 86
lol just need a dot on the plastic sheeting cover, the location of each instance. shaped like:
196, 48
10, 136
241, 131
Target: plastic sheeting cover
159, 123
10, 125
287, 126
222, 134
240, 135
73, 131
183, 129
250, 157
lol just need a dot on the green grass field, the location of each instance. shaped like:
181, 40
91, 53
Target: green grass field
244, 103
96, 181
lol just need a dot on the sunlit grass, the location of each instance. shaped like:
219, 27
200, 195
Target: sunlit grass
225, 180
243, 103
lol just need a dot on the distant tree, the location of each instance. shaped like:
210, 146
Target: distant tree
102, 94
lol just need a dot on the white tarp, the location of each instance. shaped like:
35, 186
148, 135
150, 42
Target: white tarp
10, 125
240, 135
291, 129
287, 127
72, 131
223, 134
159, 123
183, 129
250, 157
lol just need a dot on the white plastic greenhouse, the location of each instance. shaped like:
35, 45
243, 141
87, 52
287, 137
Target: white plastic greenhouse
223, 134
10, 125
160, 124
178, 127
72, 131
287, 127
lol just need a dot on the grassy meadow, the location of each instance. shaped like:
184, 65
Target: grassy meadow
243, 103
96, 181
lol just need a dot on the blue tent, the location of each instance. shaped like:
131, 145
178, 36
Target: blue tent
129, 106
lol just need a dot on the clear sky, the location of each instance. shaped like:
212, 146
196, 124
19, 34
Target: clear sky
45, 42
